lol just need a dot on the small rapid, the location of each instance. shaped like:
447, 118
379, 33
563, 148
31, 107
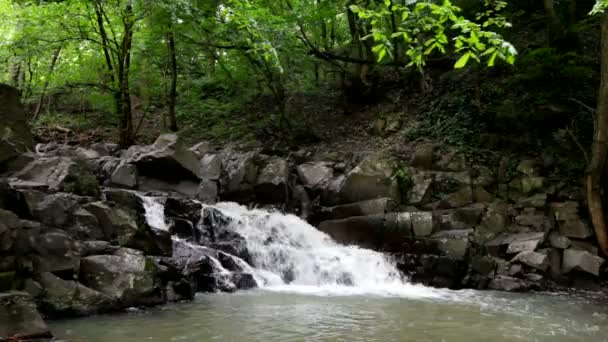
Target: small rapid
290, 255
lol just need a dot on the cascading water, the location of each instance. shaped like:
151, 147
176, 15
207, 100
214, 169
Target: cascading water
288, 254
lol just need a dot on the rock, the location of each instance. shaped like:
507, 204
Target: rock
422, 223
534, 201
423, 156
458, 199
105, 166
453, 243
532, 259
574, 228
103, 149
421, 190
315, 175
8, 281
578, 260
54, 251
211, 167
505, 283
125, 175
495, 220
531, 184
208, 191
126, 228
372, 178
183, 229
584, 246
523, 245
202, 148
531, 220
558, 241
19, 319
453, 161
15, 133
483, 265
565, 211
239, 174
480, 195
93, 247
125, 198
61, 174
54, 209
128, 277
167, 159
330, 193
272, 182
363, 208
519, 241
365, 231
70, 298
85, 226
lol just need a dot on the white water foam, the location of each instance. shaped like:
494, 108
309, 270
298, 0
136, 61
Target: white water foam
289, 255
155, 212
286, 247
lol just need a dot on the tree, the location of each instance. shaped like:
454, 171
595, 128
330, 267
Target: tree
595, 179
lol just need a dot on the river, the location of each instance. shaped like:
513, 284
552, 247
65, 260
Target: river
313, 289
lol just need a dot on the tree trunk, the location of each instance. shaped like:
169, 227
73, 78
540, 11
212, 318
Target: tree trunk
46, 83
556, 29
173, 89
599, 149
126, 136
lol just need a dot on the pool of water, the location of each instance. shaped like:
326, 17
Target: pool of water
288, 314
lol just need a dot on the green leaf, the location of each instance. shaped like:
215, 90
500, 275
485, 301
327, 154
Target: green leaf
462, 61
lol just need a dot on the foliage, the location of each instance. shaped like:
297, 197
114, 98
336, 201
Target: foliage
404, 179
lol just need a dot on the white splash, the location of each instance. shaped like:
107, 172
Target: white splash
292, 256
155, 212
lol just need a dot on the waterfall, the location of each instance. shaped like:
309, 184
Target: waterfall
289, 255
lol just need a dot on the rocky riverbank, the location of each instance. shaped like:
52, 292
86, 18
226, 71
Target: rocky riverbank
74, 238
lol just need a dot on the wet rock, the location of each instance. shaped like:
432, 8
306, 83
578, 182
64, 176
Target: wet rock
483, 265
272, 183
54, 251
453, 243
315, 175
183, 208
125, 175
125, 198
183, 229
125, 227
127, 276
208, 191
363, 208
61, 174
167, 159
578, 260
506, 283
20, 320
365, 231
532, 259
70, 298
422, 223
211, 167
372, 178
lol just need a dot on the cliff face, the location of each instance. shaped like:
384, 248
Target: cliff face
15, 133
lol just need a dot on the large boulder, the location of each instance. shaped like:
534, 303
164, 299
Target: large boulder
15, 133
125, 175
372, 178
272, 183
61, 174
20, 320
127, 228
239, 175
583, 261
166, 159
69, 298
51, 250
127, 276
315, 175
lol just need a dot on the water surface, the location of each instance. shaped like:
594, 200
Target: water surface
285, 315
